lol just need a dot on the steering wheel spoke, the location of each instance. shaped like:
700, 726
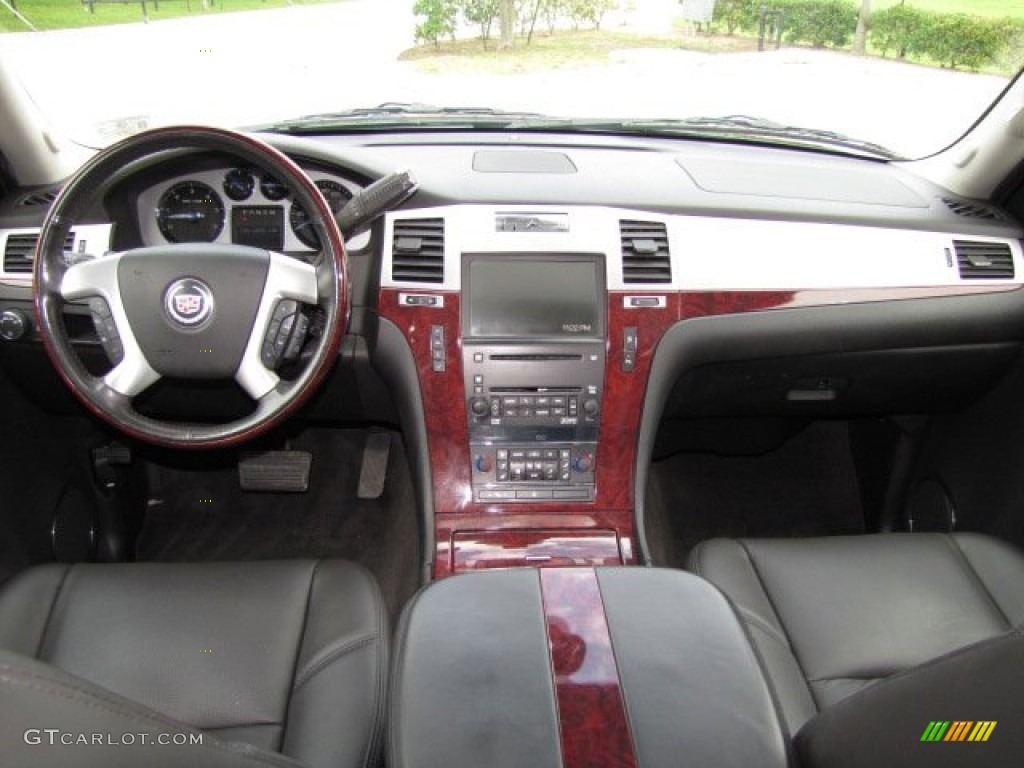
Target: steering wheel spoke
289, 282
96, 280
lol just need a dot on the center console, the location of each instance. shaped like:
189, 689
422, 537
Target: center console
533, 361
579, 668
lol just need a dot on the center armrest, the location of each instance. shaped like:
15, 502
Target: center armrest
579, 666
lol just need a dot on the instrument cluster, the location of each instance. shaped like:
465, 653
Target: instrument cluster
237, 205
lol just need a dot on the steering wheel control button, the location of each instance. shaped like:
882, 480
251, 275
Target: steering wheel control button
106, 330
285, 334
13, 324
188, 303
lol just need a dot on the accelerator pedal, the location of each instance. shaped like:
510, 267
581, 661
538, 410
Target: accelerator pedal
275, 471
375, 465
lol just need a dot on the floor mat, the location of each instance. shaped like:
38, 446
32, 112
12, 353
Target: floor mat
197, 515
807, 487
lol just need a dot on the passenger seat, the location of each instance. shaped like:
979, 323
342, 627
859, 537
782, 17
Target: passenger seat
937, 617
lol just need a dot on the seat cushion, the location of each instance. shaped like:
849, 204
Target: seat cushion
831, 616
287, 656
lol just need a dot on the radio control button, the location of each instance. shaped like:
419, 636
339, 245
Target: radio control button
479, 406
484, 463
497, 495
584, 462
533, 495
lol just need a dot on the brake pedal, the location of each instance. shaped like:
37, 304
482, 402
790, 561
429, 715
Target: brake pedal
275, 471
375, 465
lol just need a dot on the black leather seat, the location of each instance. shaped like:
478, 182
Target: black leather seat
264, 659
831, 616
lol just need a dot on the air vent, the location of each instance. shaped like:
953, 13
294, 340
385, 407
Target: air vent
971, 210
19, 250
983, 261
39, 198
417, 253
645, 257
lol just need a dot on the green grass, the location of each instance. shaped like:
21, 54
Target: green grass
995, 8
64, 14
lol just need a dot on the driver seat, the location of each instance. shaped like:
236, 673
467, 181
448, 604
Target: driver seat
265, 663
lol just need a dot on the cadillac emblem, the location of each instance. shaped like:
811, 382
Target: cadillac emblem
188, 302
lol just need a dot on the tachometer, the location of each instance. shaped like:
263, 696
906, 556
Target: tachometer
337, 197
190, 212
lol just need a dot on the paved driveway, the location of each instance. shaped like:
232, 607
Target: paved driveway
242, 68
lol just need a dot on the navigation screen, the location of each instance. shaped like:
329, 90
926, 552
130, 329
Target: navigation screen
534, 297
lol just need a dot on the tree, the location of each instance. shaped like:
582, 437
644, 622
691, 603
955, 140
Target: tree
860, 39
482, 13
508, 23
440, 19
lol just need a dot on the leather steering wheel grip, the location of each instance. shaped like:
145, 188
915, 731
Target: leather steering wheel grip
81, 193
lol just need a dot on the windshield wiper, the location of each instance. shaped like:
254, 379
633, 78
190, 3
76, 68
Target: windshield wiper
394, 113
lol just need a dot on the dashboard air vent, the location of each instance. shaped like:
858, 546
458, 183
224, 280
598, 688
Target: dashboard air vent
417, 253
983, 261
20, 248
971, 210
39, 198
645, 256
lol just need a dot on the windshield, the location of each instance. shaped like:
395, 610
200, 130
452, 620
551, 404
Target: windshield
888, 78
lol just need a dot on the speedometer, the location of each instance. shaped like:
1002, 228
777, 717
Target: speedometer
190, 212
337, 197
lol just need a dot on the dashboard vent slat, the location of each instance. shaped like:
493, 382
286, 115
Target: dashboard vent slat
978, 260
971, 209
417, 252
19, 251
645, 254
38, 198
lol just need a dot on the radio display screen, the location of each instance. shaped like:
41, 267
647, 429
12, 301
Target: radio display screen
553, 297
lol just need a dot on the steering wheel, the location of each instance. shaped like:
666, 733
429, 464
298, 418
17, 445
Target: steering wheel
195, 311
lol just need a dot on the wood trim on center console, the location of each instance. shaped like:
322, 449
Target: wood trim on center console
516, 530
592, 719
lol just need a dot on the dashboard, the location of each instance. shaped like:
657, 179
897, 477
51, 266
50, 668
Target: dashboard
544, 303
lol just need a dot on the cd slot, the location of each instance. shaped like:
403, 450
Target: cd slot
535, 357
497, 390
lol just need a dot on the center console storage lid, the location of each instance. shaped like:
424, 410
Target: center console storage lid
534, 667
